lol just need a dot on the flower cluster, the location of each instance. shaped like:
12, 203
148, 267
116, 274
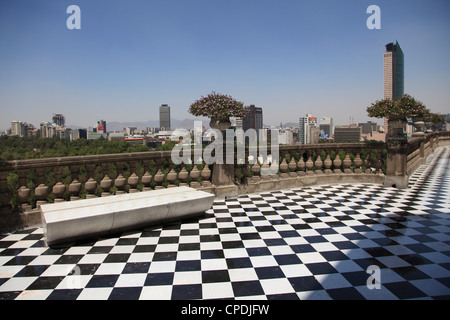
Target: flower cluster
406, 106
216, 105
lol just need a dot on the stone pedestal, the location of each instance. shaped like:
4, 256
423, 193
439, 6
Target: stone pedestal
396, 169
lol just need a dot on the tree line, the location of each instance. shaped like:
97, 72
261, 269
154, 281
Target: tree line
20, 148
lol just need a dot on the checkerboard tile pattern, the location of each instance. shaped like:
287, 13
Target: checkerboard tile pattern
306, 243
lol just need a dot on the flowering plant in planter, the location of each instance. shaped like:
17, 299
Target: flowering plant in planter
216, 105
406, 106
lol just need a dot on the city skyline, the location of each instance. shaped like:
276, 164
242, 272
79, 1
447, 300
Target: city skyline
288, 57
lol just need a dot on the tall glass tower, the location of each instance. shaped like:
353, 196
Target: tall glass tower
164, 117
394, 86
393, 71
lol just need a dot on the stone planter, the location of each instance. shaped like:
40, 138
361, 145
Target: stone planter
220, 124
396, 127
418, 124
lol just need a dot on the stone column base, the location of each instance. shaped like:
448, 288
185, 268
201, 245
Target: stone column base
400, 182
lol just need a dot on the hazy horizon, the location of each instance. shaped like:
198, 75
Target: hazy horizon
289, 57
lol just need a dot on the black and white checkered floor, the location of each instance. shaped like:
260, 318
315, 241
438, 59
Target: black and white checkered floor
317, 242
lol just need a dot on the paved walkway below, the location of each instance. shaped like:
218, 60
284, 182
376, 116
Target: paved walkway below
317, 242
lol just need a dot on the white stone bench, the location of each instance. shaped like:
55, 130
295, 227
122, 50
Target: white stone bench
74, 220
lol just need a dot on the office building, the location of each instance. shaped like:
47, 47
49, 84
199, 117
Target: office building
59, 119
305, 131
17, 128
326, 127
393, 68
101, 126
393, 71
253, 119
164, 117
368, 127
347, 133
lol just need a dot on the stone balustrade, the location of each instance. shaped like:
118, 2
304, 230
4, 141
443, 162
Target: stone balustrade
27, 184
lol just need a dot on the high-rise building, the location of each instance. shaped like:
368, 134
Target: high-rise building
101, 126
393, 71
59, 119
22, 129
164, 117
393, 74
303, 130
306, 126
326, 126
17, 128
253, 119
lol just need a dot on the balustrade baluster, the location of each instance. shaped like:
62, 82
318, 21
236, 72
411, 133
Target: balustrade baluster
347, 162
309, 164
183, 176
380, 161
120, 183
172, 177
327, 163
367, 161
206, 176
23, 195
256, 170
358, 163
318, 163
159, 179
106, 185
301, 165
293, 166
283, 165
337, 162
41, 192
133, 181
59, 189
147, 180
74, 190
194, 175
90, 186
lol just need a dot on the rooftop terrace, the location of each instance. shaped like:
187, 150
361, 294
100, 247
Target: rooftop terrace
314, 242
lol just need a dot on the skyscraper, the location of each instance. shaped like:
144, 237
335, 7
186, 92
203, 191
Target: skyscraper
306, 129
164, 117
303, 130
59, 119
253, 119
393, 71
393, 74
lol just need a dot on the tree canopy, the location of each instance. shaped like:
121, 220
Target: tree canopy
19, 148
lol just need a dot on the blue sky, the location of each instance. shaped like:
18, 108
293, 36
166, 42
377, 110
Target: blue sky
290, 57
